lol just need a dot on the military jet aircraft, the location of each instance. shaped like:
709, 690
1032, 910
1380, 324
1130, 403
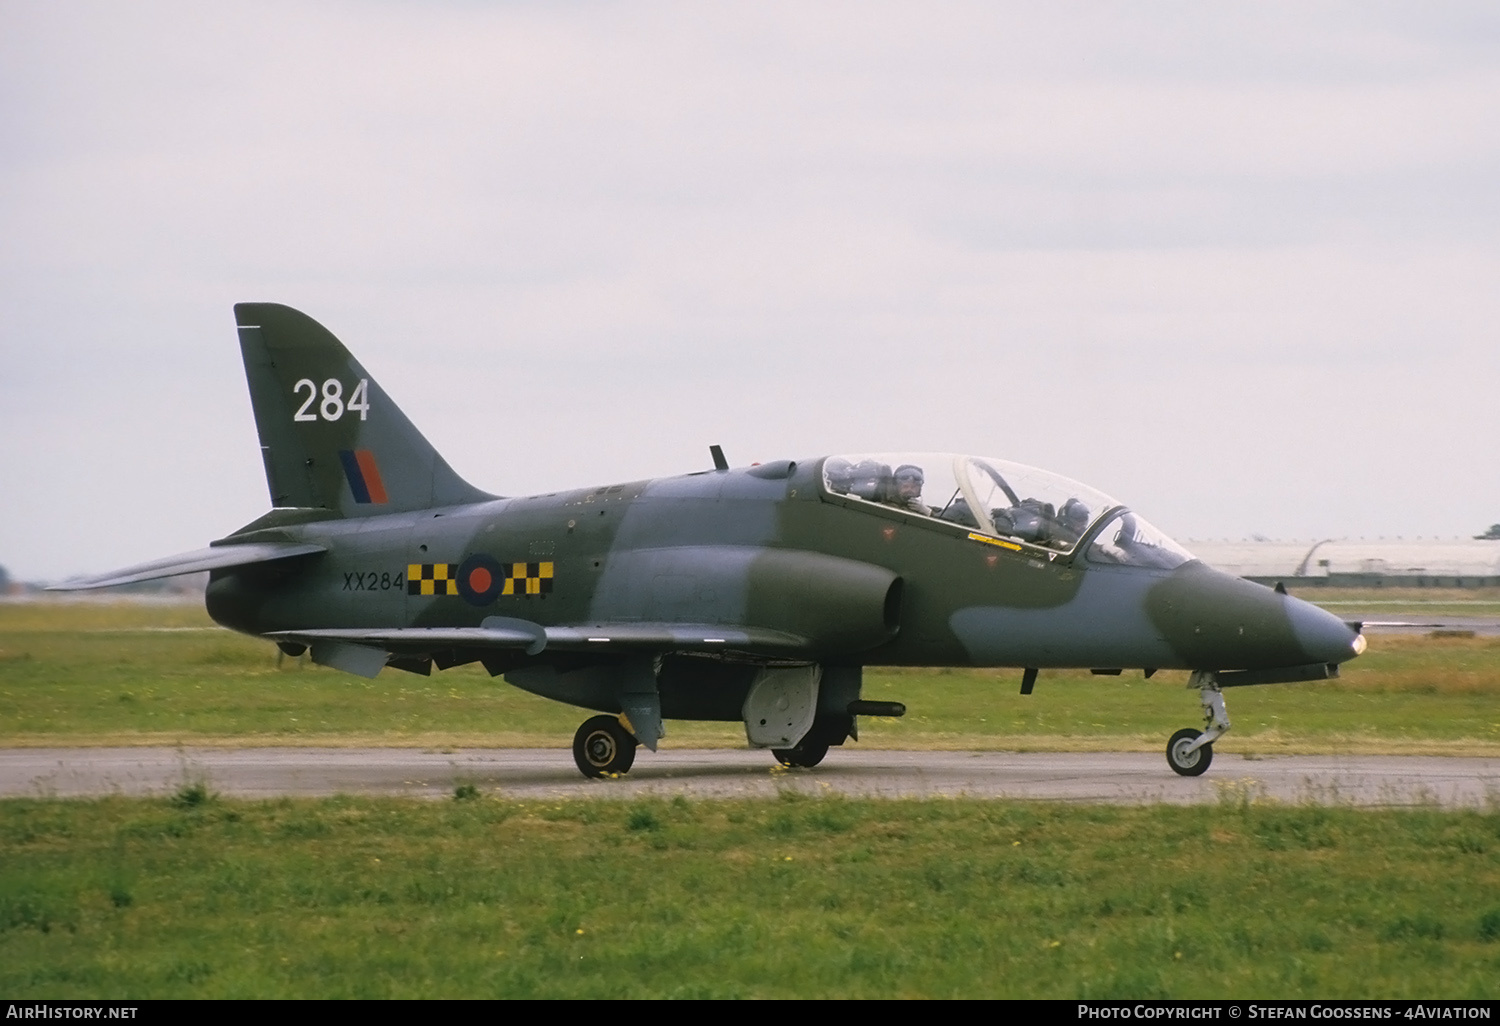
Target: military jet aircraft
752, 594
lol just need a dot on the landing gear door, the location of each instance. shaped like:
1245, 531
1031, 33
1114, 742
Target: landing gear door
781, 705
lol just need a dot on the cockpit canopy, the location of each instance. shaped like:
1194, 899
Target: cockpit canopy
1004, 500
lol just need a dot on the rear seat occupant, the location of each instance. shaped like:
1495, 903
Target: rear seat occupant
909, 481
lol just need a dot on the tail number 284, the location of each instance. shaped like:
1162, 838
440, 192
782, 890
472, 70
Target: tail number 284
333, 405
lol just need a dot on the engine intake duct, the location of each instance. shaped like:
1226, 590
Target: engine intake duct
841, 605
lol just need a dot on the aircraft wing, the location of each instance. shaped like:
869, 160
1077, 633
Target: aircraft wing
218, 557
504, 632
693, 637
509, 634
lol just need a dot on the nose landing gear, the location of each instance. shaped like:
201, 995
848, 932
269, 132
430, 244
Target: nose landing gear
1190, 751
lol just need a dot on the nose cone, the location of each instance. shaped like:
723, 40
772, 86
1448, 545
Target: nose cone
1323, 636
1215, 621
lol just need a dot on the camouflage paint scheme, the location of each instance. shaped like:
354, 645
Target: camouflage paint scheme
674, 598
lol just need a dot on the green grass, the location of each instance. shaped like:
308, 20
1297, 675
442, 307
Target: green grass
800, 897
481, 896
128, 674
1427, 601
96, 674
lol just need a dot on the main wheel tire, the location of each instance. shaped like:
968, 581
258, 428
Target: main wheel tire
807, 755
1185, 763
603, 746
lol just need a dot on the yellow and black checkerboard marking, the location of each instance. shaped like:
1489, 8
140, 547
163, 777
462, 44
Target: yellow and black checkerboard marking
527, 579
432, 579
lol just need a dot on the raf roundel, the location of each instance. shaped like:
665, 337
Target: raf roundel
480, 579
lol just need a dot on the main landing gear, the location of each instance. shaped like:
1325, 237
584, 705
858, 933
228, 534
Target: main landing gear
1190, 751
603, 747
807, 754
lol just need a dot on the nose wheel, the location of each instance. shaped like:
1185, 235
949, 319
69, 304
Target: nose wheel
603, 747
1190, 751
1185, 759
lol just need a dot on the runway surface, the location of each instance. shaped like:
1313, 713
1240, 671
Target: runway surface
1409, 623
1125, 778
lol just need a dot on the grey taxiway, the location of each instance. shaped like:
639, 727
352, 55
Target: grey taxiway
1128, 778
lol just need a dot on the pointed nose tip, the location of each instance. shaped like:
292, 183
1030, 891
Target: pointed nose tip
1322, 635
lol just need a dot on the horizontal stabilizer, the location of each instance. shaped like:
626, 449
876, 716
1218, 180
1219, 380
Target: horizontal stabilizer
219, 557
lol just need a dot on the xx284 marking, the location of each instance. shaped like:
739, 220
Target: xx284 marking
375, 580
333, 406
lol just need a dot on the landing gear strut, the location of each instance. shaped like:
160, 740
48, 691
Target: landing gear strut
1190, 751
604, 747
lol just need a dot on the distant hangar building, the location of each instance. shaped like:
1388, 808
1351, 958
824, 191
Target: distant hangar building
1343, 562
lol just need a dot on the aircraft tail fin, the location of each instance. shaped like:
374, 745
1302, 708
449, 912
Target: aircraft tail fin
329, 435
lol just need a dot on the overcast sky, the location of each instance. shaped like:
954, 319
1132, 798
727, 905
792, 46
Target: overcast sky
1236, 264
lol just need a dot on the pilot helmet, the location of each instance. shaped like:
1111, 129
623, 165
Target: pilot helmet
909, 474
868, 479
1074, 514
839, 474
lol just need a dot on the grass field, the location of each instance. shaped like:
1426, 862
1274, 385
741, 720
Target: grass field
797, 897
486, 896
93, 674
1427, 601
